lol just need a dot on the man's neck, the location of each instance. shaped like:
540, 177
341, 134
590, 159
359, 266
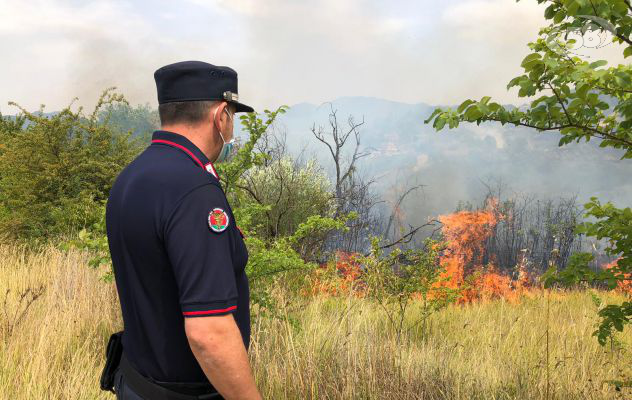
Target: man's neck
195, 135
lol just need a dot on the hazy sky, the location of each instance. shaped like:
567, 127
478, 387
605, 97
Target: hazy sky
285, 51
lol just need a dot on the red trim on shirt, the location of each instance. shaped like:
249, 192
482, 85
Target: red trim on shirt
167, 142
208, 312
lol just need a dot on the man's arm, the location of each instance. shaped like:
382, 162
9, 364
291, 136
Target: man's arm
219, 349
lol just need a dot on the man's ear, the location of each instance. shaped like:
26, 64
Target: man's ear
216, 114
226, 115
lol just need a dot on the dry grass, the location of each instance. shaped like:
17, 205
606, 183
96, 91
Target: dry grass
344, 348
57, 350
494, 350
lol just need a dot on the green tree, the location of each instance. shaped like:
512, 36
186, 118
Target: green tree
282, 195
245, 157
580, 100
55, 167
140, 120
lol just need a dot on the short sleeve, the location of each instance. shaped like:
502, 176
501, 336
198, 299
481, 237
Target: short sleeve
197, 240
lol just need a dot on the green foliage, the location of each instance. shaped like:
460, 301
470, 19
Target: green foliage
246, 158
576, 272
612, 317
310, 236
614, 224
575, 104
281, 195
393, 280
140, 120
271, 265
9, 127
571, 99
94, 240
281, 259
53, 169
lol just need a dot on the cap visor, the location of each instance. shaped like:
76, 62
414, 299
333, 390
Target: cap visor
242, 107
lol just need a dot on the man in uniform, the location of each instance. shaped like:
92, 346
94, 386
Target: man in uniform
179, 259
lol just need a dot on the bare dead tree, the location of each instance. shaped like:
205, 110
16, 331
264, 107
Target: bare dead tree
361, 199
398, 232
412, 231
344, 169
351, 191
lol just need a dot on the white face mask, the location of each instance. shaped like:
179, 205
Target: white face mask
226, 152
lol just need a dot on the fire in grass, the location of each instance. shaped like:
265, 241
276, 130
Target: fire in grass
465, 265
346, 277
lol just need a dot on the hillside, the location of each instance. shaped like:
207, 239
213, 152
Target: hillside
454, 164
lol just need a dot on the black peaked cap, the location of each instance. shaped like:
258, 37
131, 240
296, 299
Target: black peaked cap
197, 80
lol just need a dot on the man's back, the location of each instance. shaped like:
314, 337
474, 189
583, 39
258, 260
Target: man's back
168, 265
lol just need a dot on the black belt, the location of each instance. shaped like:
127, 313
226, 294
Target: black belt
153, 391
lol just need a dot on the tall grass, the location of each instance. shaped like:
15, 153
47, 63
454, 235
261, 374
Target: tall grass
343, 348
57, 350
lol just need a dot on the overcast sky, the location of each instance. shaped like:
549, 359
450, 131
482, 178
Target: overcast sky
285, 51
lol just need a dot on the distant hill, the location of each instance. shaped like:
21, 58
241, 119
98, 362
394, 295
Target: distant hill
452, 163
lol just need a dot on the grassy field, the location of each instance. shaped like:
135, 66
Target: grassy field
343, 348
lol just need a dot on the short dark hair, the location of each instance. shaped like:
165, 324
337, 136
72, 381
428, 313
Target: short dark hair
185, 112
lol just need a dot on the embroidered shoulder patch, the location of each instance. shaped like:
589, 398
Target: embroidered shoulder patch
218, 220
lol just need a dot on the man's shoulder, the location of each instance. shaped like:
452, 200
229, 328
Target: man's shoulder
167, 166
162, 172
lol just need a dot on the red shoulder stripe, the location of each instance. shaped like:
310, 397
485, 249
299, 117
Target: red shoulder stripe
167, 142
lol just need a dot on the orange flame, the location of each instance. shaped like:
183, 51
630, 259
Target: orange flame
463, 260
466, 233
347, 281
625, 285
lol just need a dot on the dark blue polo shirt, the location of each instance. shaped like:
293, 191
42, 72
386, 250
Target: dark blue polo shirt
177, 253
